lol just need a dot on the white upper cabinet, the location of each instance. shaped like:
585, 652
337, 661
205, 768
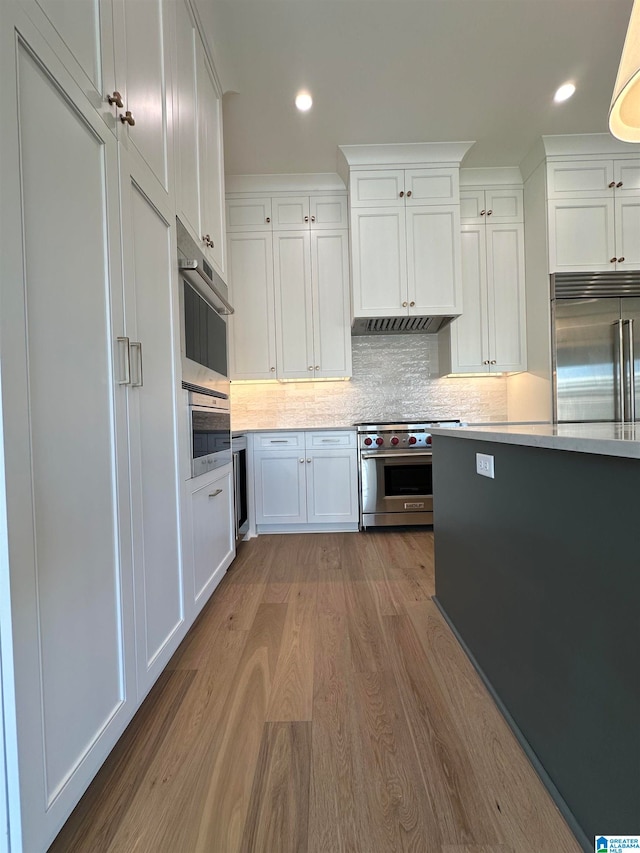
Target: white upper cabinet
405, 230
395, 188
82, 36
143, 37
199, 166
500, 205
289, 285
489, 336
252, 338
594, 214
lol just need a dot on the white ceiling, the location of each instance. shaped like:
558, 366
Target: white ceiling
409, 71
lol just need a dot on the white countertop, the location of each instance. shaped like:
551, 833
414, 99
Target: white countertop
350, 428
604, 439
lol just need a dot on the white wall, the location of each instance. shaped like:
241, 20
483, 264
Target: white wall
529, 394
394, 376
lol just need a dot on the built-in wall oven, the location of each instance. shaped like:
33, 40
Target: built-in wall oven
210, 431
203, 311
394, 462
204, 308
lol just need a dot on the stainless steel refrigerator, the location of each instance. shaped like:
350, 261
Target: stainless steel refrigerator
596, 356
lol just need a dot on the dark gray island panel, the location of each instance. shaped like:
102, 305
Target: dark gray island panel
538, 570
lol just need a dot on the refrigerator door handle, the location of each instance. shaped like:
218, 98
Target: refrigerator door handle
630, 379
621, 370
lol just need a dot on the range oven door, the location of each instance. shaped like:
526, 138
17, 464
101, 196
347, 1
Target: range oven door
396, 488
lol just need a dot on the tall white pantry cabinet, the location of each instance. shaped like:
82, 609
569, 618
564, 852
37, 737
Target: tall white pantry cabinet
94, 592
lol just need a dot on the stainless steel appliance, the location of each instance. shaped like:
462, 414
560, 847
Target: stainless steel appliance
203, 310
394, 462
210, 429
239, 453
596, 358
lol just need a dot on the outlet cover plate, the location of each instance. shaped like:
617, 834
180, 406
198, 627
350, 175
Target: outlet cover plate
484, 465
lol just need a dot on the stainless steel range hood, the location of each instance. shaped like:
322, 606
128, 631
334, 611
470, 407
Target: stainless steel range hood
399, 325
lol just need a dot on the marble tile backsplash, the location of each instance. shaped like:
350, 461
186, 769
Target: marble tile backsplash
393, 376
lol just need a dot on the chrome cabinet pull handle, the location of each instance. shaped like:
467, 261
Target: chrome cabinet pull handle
137, 345
216, 493
126, 361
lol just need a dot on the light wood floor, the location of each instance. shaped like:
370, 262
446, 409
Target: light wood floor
320, 703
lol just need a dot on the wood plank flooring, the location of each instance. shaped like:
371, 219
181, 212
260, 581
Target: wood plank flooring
320, 704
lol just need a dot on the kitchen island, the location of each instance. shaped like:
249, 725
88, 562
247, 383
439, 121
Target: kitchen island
538, 572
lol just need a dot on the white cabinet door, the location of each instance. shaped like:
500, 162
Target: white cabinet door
211, 164
81, 34
332, 493
280, 487
64, 421
504, 206
213, 534
433, 260
472, 207
379, 258
249, 214
506, 296
330, 296
328, 212
574, 179
252, 326
293, 304
626, 174
581, 235
379, 187
627, 231
142, 32
469, 332
150, 308
291, 214
186, 112
431, 186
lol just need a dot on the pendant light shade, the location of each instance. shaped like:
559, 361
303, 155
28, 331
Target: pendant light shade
624, 114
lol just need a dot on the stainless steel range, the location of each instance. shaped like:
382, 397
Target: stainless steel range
394, 461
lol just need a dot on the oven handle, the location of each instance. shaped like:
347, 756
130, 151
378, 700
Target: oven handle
397, 455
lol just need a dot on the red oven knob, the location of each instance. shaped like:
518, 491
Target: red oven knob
429, 439
368, 442
395, 440
412, 439
379, 441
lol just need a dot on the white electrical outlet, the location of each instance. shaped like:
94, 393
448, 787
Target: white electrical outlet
484, 465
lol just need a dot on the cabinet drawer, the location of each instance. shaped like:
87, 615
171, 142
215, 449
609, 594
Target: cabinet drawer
249, 214
326, 439
275, 440
578, 178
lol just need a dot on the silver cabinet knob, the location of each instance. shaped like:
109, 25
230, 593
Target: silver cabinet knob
302, 461
310, 367
619, 184
313, 219
493, 361
306, 219
620, 260
272, 369
486, 361
482, 212
317, 367
489, 212
612, 260
411, 304
404, 304
612, 185
402, 194
308, 461
268, 219
409, 194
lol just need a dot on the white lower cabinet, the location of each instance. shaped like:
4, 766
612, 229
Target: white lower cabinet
210, 498
305, 481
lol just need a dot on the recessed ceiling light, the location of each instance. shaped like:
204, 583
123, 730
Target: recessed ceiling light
564, 93
303, 101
